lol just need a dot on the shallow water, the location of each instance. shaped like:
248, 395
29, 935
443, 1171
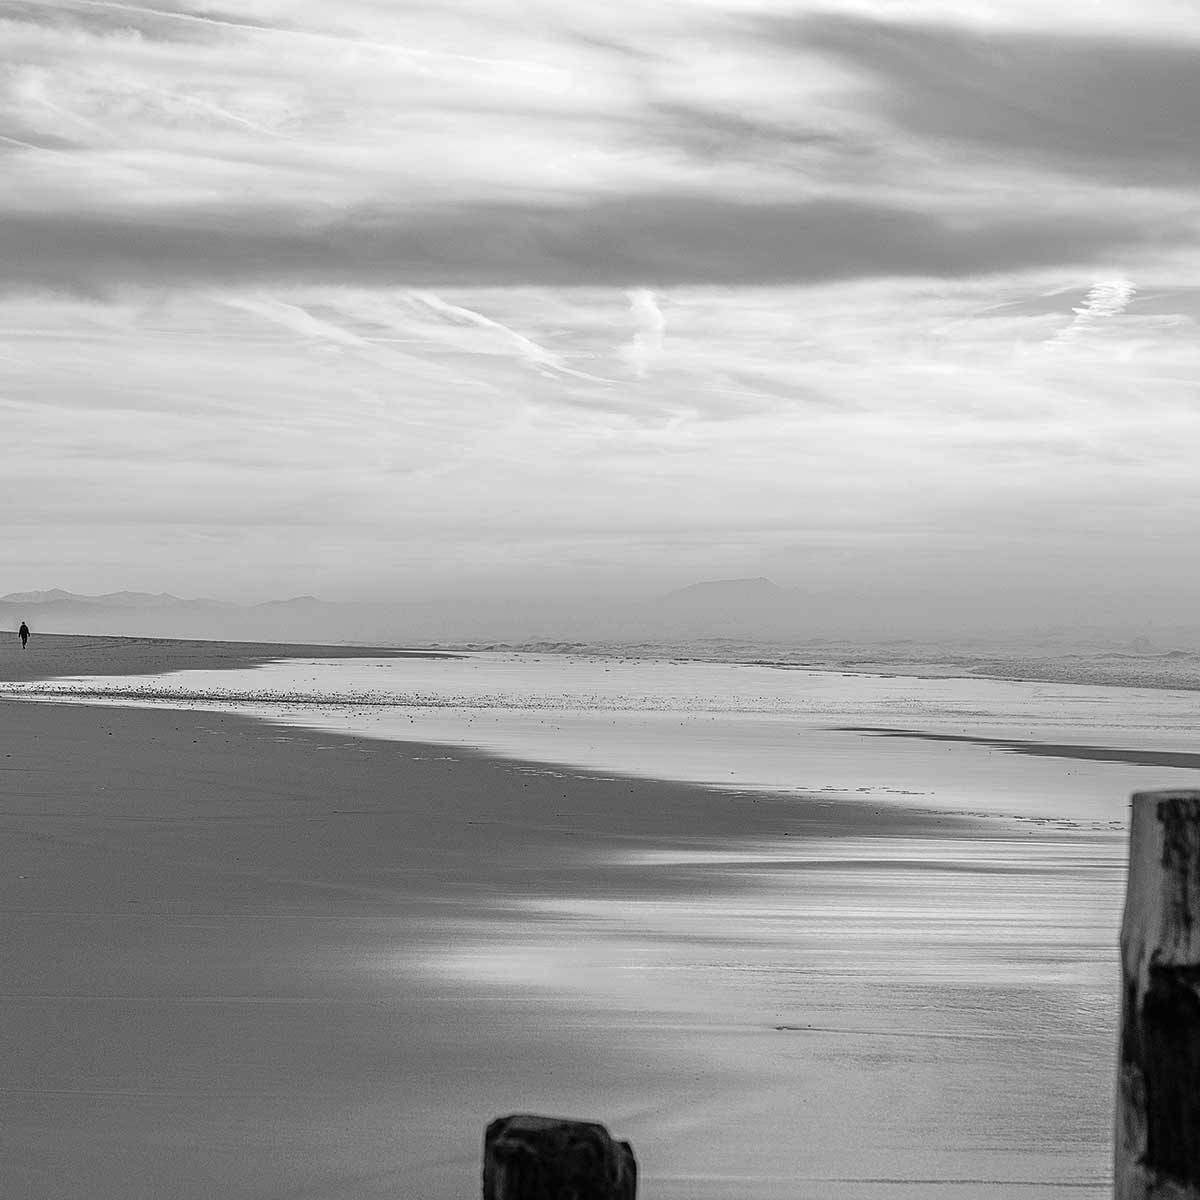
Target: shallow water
725, 724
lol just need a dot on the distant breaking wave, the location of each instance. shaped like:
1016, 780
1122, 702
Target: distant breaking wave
1176, 669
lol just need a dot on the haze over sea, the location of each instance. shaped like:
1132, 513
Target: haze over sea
913, 986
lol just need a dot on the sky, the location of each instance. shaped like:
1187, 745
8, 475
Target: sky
893, 301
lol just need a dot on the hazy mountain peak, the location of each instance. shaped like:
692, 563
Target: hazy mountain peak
728, 607
124, 599
758, 588
44, 597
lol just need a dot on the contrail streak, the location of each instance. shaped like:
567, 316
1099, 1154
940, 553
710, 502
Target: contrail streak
209, 106
414, 56
1109, 298
297, 319
12, 141
526, 348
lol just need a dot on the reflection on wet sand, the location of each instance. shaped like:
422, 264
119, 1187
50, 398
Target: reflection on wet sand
869, 1010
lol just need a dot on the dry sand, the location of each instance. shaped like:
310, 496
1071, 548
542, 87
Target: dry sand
248, 962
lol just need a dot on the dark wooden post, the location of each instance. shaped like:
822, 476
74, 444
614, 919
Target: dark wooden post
546, 1158
1158, 1080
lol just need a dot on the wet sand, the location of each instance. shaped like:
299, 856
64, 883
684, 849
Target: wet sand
254, 962
49, 655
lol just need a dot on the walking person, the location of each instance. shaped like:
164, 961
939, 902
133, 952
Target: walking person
23, 634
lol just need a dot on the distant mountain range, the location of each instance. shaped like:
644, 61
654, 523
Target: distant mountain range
741, 617
163, 615
720, 608
125, 600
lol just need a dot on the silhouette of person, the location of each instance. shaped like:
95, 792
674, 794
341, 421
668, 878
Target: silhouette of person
23, 632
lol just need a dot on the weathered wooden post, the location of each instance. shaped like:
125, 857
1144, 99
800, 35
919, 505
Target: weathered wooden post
546, 1158
1158, 1079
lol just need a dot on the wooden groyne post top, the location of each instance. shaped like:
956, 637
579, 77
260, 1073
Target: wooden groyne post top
526, 1157
1158, 1073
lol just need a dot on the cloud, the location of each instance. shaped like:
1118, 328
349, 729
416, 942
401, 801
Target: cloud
643, 350
23, 145
510, 341
1104, 300
184, 411
409, 268
639, 241
296, 318
155, 21
1115, 108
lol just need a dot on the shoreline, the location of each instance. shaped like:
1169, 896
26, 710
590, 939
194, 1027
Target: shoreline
92, 654
618, 717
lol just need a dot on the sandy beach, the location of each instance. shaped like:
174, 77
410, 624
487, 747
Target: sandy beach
249, 961
49, 655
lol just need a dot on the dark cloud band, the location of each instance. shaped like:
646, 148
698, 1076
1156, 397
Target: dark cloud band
653, 240
1120, 110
